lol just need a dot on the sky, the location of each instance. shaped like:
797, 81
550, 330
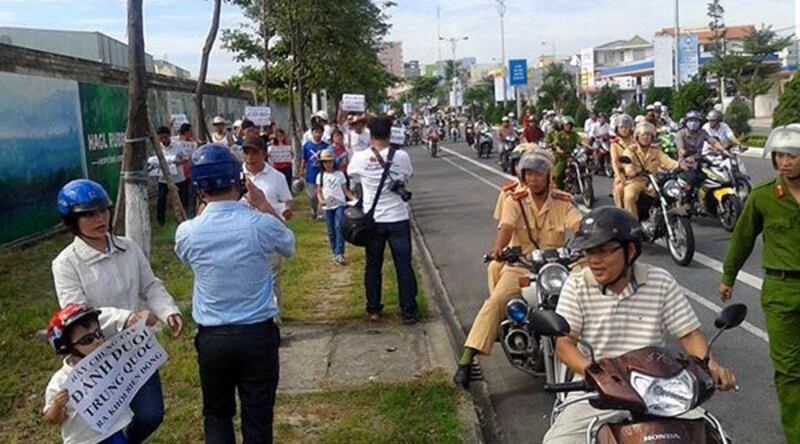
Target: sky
176, 29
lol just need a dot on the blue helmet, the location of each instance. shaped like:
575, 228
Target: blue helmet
82, 196
215, 167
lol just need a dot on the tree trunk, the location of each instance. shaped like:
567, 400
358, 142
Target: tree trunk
134, 156
202, 129
301, 91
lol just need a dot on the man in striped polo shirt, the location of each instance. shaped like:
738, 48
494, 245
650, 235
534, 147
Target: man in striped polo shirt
618, 305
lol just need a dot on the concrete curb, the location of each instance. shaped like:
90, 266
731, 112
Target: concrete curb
483, 416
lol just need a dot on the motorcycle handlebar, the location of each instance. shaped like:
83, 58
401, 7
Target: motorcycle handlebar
577, 386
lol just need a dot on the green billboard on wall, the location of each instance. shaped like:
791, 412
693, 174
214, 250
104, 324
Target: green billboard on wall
104, 115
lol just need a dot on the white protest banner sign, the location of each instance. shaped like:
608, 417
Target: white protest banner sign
353, 103
398, 136
280, 154
260, 115
103, 383
178, 120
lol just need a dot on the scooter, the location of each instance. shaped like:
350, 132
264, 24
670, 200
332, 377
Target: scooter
485, 143
663, 216
509, 143
719, 195
578, 177
433, 143
523, 346
656, 385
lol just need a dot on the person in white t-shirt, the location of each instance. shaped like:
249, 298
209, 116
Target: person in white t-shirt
719, 130
600, 128
319, 118
391, 218
220, 134
273, 184
174, 154
589, 123
332, 193
75, 331
358, 138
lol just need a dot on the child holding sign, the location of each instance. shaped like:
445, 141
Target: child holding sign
75, 331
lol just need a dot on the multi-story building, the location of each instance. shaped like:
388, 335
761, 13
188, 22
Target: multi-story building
411, 69
391, 55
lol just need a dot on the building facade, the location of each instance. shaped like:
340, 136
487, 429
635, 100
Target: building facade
391, 56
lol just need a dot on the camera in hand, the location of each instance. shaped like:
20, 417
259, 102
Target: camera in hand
400, 188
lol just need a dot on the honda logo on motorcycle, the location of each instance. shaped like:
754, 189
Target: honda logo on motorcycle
655, 437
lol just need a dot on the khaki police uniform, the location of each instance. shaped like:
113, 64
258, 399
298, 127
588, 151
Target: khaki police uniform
644, 160
548, 227
506, 192
617, 149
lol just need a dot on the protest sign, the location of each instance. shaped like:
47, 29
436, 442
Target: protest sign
102, 385
398, 136
260, 115
280, 154
353, 103
178, 120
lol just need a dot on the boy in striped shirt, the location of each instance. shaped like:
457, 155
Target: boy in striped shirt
617, 306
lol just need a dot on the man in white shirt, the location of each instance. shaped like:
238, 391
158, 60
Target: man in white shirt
600, 128
391, 218
358, 138
273, 184
174, 153
220, 134
589, 123
719, 130
319, 118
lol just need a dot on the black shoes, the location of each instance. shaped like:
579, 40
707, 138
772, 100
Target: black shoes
463, 376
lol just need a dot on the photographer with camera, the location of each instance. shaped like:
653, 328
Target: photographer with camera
391, 218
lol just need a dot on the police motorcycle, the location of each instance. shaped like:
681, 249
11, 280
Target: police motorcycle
655, 385
662, 214
485, 143
506, 148
578, 175
523, 346
720, 193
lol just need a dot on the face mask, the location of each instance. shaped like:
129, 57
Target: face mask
693, 125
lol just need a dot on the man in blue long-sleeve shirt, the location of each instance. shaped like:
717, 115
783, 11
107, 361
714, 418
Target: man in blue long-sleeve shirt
228, 248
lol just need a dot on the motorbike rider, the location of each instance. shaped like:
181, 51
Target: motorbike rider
690, 141
644, 158
531, 132
623, 141
772, 210
562, 144
548, 122
505, 130
612, 120
535, 217
600, 128
588, 124
720, 130
619, 305
481, 125
651, 115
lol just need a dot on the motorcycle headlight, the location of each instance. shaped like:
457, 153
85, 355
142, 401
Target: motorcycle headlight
666, 397
672, 189
581, 156
517, 310
552, 277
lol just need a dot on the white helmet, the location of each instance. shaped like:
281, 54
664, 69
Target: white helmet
784, 139
237, 123
322, 114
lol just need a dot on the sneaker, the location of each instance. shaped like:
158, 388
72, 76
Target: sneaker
374, 317
340, 260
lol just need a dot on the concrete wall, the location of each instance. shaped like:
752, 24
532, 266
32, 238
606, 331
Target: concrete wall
63, 118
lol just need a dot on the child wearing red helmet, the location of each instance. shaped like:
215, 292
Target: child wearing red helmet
75, 331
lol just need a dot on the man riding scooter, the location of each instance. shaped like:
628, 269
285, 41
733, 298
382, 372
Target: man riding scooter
532, 218
619, 305
690, 142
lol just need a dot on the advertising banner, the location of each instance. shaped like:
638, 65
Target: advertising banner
104, 115
688, 56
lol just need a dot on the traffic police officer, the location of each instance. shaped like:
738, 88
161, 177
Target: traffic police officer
773, 208
644, 158
623, 127
563, 143
534, 217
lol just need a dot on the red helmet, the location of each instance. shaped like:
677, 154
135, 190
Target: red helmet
62, 320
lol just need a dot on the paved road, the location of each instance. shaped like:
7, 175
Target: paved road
454, 197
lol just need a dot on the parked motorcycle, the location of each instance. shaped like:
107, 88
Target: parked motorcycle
433, 143
719, 195
524, 348
656, 385
601, 156
663, 216
508, 145
485, 143
578, 177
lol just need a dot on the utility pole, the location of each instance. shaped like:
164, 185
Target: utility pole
438, 36
677, 45
501, 9
453, 42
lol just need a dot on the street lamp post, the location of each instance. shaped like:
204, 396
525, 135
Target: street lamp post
453, 42
501, 9
677, 45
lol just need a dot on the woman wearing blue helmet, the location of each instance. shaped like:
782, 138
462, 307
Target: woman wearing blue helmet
112, 274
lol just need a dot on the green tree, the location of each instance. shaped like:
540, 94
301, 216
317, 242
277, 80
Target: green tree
557, 87
633, 109
718, 31
663, 95
788, 109
480, 97
692, 96
425, 90
754, 78
737, 115
606, 99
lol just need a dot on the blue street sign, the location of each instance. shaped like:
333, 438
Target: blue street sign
518, 72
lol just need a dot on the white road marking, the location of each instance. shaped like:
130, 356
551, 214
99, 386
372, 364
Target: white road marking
747, 326
744, 277
470, 173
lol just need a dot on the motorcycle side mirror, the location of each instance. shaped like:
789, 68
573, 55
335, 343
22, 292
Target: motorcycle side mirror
625, 160
549, 323
731, 316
